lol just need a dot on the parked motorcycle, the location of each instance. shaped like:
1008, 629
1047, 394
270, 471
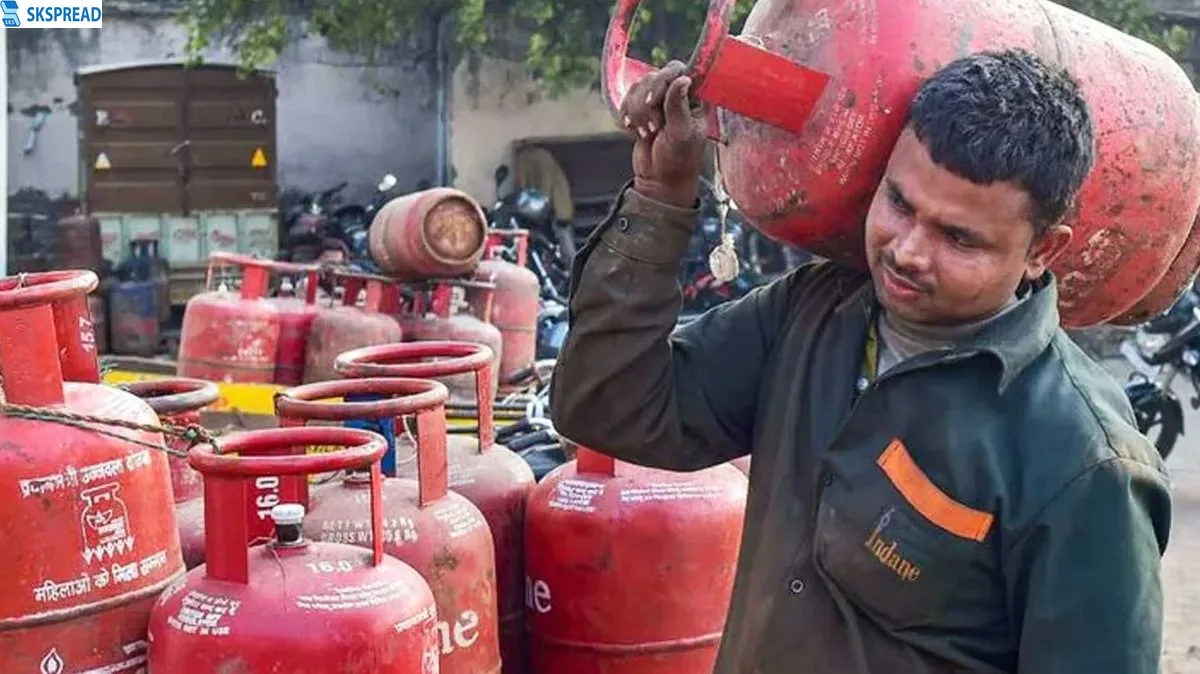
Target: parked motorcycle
351, 222
552, 243
306, 221
1159, 351
322, 215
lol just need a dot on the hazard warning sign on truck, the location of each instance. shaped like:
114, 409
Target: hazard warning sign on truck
102, 163
258, 159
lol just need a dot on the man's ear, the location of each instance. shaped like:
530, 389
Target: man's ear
1045, 250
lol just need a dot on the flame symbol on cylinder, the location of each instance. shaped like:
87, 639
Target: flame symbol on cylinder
52, 663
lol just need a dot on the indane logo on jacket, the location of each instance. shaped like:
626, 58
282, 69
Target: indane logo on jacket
53, 13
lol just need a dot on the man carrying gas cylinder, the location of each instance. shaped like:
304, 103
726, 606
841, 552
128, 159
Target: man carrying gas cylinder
942, 481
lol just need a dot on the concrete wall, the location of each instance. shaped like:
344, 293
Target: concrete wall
494, 103
337, 120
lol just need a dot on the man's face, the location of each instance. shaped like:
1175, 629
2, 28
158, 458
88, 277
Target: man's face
331, 257
943, 250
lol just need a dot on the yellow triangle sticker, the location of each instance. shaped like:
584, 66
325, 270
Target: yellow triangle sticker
258, 159
102, 163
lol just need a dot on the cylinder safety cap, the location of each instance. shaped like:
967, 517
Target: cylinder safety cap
288, 514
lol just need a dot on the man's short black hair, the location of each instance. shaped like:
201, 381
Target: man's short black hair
333, 244
1009, 116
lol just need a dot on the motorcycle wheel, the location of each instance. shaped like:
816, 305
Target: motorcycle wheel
1168, 418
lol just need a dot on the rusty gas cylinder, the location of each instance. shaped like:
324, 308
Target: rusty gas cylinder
434, 233
440, 533
77, 242
296, 316
89, 531
489, 475
292, 605
178, 402
440, 314
598, 533
810, 99
1174, 283
514, 310
353, 324
227, 336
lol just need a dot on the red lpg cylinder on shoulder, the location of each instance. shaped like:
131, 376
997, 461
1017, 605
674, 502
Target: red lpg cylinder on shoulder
292, 605
296, 316
89, 531
598, 533
178, 402
495, 479
438, 315
810, 98
434, 233
231, 337
1173, 284
440, 533
517, 302
341, 328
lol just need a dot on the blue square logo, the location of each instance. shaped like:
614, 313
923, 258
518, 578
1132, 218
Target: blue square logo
12, 18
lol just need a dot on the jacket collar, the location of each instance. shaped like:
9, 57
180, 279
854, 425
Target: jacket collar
1015, 338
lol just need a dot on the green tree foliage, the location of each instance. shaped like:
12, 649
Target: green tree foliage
1136, 19
559, 40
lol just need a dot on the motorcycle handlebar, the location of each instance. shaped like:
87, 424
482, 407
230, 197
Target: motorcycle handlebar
1177, 341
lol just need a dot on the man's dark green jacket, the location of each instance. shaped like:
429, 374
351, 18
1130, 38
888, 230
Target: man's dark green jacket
983, 508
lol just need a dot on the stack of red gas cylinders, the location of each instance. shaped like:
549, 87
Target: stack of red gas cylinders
444, 276
420, 549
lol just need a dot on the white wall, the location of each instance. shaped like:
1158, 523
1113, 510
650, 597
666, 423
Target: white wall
498, 105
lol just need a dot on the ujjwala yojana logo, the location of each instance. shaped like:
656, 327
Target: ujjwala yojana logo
52, 13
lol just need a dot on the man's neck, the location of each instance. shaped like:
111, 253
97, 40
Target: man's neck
900, 340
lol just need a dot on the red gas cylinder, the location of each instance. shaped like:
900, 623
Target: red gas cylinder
515, 308
434, 233
489, 475
438, 315
98, 309
89, 531
341, 328
231, 337
76, 327
292, 605
296, 316
630, 569
178, 402
1168, 289
264, 494
440, 533
812, 96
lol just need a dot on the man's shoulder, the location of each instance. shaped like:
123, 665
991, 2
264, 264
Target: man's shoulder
824, 281
1071, 416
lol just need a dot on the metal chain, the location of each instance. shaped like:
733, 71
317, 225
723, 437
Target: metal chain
193, 434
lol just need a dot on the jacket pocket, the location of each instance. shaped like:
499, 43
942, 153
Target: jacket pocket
895, 544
